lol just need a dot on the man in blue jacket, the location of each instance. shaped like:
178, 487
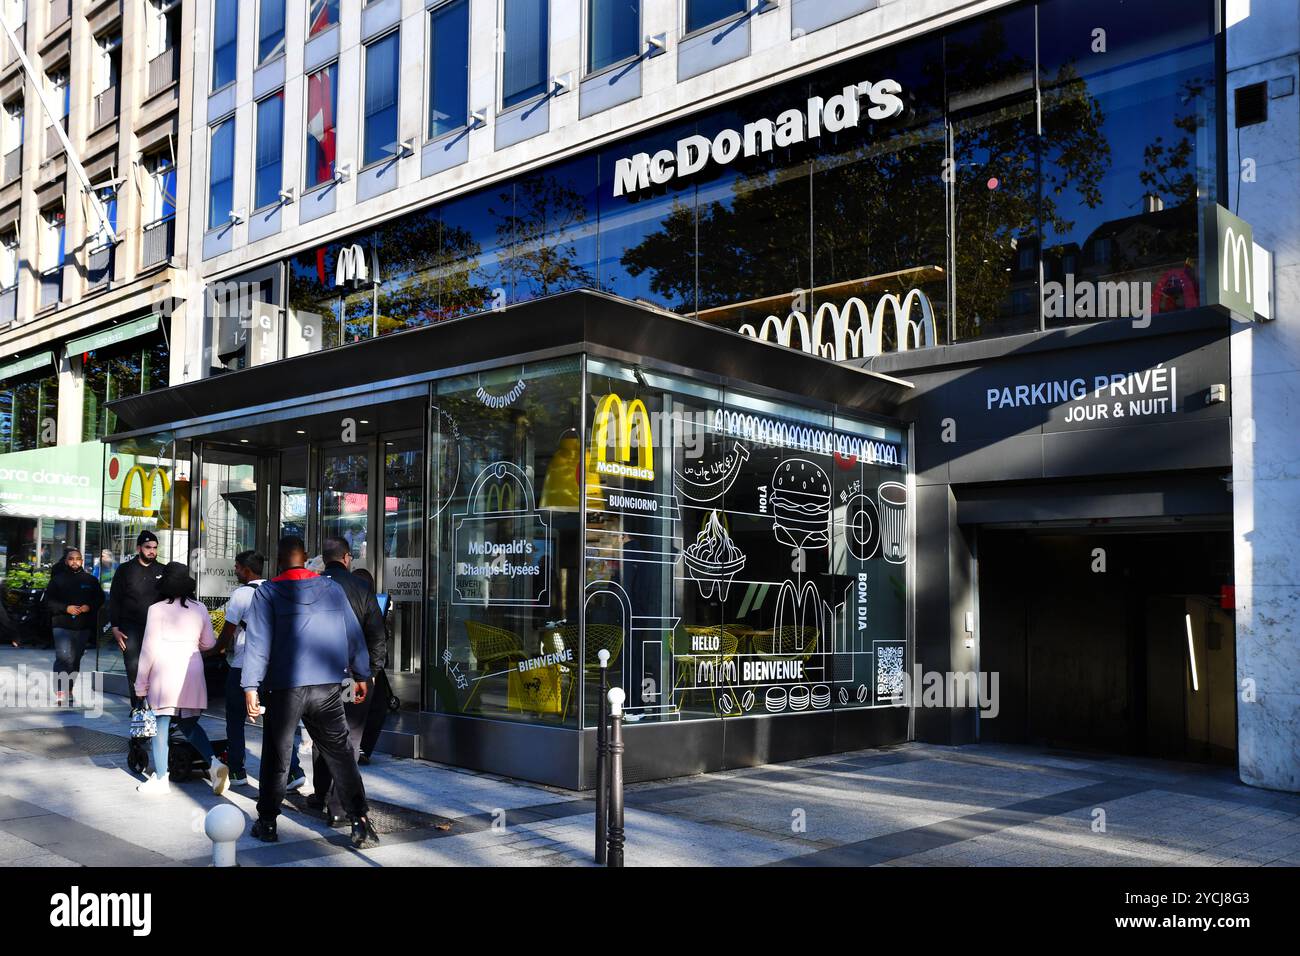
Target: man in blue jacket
301, 641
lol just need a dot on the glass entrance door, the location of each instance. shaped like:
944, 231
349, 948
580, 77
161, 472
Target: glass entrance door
230, 510
403, 560
345, 497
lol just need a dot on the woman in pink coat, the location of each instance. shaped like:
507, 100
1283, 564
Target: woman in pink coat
170, 674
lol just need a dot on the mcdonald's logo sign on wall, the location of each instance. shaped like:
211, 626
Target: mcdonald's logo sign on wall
1238, 271
146, 508
625, 418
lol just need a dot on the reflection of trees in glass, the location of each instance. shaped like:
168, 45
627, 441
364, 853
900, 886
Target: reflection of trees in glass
542, 233
669, 255
1169, 170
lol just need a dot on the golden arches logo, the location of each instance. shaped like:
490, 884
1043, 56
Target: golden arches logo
501, 496
146, 509
625, 416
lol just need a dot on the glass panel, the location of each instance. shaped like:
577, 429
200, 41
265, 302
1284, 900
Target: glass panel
475, 267
29, 410
315, 305
507, 519
790, 591
524, 59
225, 42
700, 13
221, 194
380, 130
613, 32
229, 501
293, 495
269, 178
449, 69
270, 29
322, 15
403, 579
146, 485
322, 97
345, 502
131, 368
554, 230
409, 280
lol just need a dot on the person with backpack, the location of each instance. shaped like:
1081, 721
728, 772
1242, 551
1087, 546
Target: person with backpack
72, 600
170, 675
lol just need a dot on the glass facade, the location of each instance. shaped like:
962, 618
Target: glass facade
734, 555
130, 368
959, 207
29, 410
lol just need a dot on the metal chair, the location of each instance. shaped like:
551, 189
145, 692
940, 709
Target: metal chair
491, 646
608, 637
722, 660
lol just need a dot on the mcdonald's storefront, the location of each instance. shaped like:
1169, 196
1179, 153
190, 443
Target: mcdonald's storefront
571, 475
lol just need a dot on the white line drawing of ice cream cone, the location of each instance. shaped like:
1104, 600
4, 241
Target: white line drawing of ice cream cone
713, 560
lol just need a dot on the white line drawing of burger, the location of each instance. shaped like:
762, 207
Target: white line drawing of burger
801, 504
713, 560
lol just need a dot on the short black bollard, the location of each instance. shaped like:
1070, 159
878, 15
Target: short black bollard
616, 698
602, 765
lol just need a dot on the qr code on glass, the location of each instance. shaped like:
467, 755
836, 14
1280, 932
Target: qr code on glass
889, 672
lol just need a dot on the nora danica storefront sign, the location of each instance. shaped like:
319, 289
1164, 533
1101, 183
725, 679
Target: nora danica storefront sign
795, 125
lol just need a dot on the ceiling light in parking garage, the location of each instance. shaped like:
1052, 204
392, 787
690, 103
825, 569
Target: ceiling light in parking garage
243, 441
365, 421
301, 431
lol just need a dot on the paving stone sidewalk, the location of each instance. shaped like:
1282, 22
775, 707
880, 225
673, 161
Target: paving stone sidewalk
67, 798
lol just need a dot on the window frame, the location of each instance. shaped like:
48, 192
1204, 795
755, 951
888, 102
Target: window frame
234, 151
586, 71
308, 35
306, 118
213, 87
501, 64
284, 34
257, 129
683, 12
395, 32
427, 123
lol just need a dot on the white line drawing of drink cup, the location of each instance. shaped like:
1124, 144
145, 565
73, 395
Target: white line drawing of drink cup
892, 497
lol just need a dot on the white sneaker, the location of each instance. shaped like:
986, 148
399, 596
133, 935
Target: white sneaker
154, 786
218, 776
295, 783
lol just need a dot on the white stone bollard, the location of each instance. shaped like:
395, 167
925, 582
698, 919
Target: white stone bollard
224, 824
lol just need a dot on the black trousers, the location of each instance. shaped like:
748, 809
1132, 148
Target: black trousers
380, 692
322, 778
320, 708
131, 656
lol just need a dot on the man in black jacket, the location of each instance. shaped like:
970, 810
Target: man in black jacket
338, 568
72, 600
134, 589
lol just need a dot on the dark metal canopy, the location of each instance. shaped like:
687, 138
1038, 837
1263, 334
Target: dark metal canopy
564, 324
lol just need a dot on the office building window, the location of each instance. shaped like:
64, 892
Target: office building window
9, 260
59, 91
702, 13
221, 166
160, 201
52, 239
322, 93
29, 409
322, 15
613, 32
225, 42
379, 140
268, 177
524, 58
270, 29
448, 67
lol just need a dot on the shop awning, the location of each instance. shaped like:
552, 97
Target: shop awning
563, 324
28, 363
122, 332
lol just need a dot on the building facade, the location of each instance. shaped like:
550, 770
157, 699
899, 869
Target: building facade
1004, 217
94, 280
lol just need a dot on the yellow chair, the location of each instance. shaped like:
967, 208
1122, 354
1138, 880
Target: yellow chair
492, 647
783, 643
607, 637
723, 660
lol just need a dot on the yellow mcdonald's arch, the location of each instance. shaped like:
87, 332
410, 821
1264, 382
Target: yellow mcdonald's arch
146, 509
625, 416
500, 496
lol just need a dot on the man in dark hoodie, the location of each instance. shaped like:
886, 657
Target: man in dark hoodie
301, 640
338, 568
72, 599
135, 587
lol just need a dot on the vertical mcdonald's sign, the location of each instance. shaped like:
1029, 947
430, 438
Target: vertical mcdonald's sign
1238, 271
611, 411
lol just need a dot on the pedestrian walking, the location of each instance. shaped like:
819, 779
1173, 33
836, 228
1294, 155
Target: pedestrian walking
133, 592
381, 693
302, 639
170, 675
73, 599
361, 598
249, 567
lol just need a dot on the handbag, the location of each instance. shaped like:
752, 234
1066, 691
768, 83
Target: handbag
144, 723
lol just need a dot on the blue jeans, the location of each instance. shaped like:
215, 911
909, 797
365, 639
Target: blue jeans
236, 723
193, 732
69, 645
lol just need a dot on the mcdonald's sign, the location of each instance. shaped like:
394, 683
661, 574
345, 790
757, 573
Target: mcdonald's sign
1239, 272
146, 508
624, 417
501, 497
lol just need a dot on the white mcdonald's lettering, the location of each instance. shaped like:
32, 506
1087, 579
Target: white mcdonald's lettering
848, 342
1239, 249
625, 416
